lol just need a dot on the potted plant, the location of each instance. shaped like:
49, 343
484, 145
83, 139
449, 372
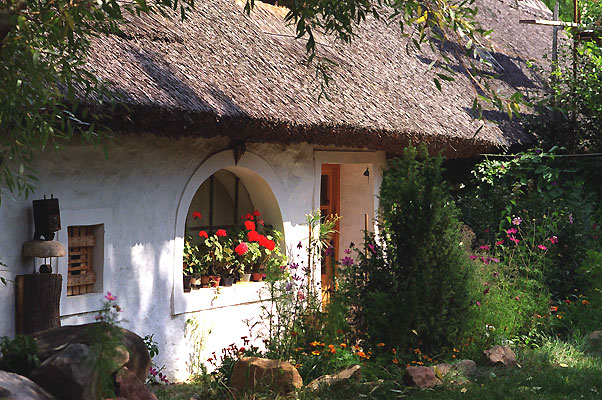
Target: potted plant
216, 254
191, 262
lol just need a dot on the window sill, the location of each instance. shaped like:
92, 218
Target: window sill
211, 298
81, 303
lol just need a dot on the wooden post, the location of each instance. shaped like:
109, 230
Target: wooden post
38, 302
555, 39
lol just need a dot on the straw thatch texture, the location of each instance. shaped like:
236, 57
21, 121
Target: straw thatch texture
221, 72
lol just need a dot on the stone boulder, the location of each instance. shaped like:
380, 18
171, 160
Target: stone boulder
17, 387
442, 369
501, 356
254, 373
352, 373
52, 341
69, 374
129, 387
467, 367
422, 377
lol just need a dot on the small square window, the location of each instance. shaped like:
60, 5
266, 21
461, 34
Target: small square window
85, 262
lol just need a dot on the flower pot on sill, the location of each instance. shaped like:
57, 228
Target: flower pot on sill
187, 283
227, 281
257, 276
245, 277
211, 280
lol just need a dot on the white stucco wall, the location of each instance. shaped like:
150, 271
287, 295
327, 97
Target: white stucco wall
357, 199
138, 193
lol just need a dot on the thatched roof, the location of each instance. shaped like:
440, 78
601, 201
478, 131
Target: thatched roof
222, 72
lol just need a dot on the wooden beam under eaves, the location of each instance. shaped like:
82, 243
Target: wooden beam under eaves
560, 23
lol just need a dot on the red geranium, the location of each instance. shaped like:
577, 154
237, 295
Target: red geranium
241, 249
220, 232
256, 213
253, 236
262, 240
203, 234
270, 245
196, 214
248, 216
250, 225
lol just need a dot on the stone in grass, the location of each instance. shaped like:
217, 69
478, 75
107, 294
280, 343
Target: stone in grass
467, 367
422, 377
352, 373
442, 369
17, 387
501, 356
128, 386
255, 373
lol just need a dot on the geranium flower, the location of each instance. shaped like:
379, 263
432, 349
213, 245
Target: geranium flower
256, 213
567, 301
259, 221
220, 232
241, 249
253, 236
203, 234
248, 216
250, 225
196, 215
347, 261
270, 245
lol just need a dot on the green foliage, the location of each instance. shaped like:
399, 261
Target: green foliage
155, 375
418, 262
19, 355
43, 46
544, 187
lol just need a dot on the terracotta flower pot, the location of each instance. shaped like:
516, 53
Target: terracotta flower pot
257, 276
214, 280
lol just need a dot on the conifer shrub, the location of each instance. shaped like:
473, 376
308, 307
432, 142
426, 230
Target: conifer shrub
411, 285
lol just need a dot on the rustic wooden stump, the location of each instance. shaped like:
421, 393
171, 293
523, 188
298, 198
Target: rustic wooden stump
38, 302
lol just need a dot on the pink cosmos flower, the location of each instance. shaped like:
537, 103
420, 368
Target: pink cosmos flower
371, 247
473, 257
109, 296
499, 242
553, 239
478, 304
517, 298
486, 291
347, 261
542, 247
347, 251
571, 218
516, 221
511, 231
515, 240
485, 247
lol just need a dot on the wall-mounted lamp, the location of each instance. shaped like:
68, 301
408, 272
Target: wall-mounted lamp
238, 148
367, 172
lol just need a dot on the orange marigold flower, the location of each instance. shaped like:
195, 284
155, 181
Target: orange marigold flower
339, 331
342, 345
381, 344
316, 352
361, 354
297, 366
553, 308
395, 361
314, 344
299, 349
407, 365
453, 356
356, 347
394, 351
584, 302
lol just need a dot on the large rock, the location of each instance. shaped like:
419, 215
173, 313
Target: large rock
352, 373
129, 387
500, 356
69, 374
17, 387
467, 367
51, 341
422, 377
442, 369
254, 373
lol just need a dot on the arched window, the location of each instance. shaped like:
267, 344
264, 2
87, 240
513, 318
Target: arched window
222, 200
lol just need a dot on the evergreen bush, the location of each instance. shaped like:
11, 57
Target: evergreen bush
411, 284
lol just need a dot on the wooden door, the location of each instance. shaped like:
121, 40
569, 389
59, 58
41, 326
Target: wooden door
330, 191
